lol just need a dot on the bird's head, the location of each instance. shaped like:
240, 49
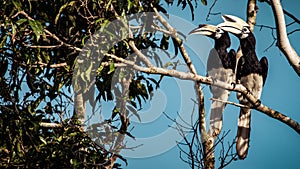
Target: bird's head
236, 26
208, 30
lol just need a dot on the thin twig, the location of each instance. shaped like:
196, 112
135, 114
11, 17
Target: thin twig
229, 102
211, 13
285, 12
50, 125
296, 30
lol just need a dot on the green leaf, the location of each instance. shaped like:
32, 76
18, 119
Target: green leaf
73, 134
111, 67
45, 57
62, 8
167, 64
103, 25
14, 27
30, 6
60, 138
43, 140
108, 5
21, 21
2, 43
17, 4
37, 28
83, 39
204, 2
74, 162
129, 6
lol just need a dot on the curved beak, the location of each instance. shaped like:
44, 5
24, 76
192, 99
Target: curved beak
204, 29
233, 24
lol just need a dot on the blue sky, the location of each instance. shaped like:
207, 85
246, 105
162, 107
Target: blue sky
272, 143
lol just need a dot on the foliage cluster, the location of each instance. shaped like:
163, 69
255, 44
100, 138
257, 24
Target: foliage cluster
39, 43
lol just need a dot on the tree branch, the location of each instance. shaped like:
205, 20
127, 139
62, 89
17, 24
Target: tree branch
51, 66
191, 68
212, 13
49, 33
285, 12
207, 141
283, 41
251, 13
209, 81
228, 102
251, 20
50, 125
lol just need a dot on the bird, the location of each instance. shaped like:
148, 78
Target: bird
220, 66
250, 72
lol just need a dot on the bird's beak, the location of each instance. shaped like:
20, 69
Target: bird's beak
233, 24
204, 29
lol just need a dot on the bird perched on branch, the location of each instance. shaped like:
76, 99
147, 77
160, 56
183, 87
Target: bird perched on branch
220, 66
250, 72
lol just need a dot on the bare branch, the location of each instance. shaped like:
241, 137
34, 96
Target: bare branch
283, 41
285, 12
140, 54
50, 125
296, 30
251, 13
191, 67
42, 47
272, 33
131, 42
51, 66
251, 20
229, 102
212, 13
209, 81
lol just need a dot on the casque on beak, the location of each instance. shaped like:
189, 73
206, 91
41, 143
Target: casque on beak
233, 24
204, 29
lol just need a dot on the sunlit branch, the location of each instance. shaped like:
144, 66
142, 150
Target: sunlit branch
229, 102
251, 13
257, 105
283, 41
50, 125
42, 47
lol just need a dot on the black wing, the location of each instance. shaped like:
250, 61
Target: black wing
239, 68
264, 65
232, 59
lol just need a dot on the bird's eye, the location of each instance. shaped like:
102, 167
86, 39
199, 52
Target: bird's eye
218, 30
245, 29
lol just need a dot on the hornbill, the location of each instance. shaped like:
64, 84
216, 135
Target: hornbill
220, 66
250, 72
